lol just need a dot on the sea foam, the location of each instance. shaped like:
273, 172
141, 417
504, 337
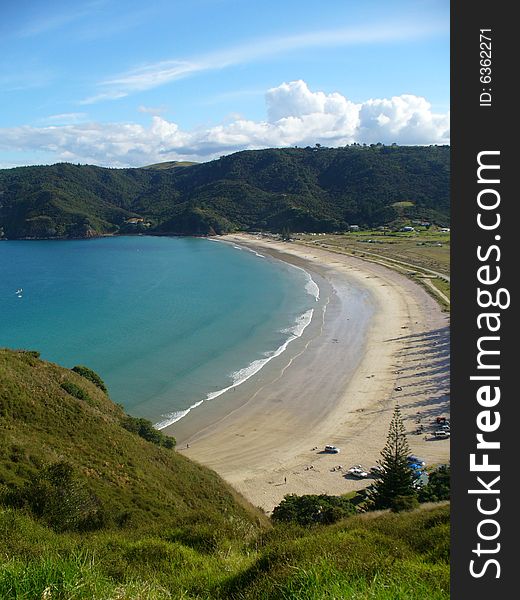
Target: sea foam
242, 375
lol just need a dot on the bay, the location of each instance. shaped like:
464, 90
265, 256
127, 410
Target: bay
166, 322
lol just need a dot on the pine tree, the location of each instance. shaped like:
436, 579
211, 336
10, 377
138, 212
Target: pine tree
394, 489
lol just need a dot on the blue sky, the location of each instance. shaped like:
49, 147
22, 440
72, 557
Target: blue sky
125, 83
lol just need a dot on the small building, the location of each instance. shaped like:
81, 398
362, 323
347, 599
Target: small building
407, 228
353, 228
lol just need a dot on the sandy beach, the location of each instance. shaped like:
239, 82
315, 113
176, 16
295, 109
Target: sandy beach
376, 339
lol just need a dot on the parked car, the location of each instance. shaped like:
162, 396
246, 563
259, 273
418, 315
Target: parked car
331, 449
415, 459
415, 466
441, 433
358, 472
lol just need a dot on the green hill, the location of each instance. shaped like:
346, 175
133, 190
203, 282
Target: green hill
303, 189
92, 511
50, 415
172, 164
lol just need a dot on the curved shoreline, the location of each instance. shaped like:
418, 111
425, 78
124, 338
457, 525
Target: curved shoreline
243, 375
380, 331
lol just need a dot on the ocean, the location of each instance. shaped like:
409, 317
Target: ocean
168, 323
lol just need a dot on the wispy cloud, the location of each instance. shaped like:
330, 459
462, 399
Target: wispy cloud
152, 110
231, 95
26, 79
45, 24
65, 118
152, 75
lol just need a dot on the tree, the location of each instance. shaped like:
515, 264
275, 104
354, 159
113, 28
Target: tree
285, 234
395, 488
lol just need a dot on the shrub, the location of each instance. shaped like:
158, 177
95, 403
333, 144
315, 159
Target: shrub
91, 376
311, 509
145, 429
400, 503
438, 486
58, 497
75, 390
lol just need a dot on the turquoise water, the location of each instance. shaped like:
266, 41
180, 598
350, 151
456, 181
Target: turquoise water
167, 322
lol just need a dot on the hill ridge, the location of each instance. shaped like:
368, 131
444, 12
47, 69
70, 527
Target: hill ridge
301, 189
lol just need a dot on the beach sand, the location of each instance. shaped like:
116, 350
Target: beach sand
373, 331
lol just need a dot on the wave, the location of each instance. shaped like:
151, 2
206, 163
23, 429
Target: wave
249, 250
311, 287
242, 375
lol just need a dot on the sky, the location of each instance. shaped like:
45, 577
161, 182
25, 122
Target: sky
123, 83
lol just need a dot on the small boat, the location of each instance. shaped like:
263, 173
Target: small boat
19, 291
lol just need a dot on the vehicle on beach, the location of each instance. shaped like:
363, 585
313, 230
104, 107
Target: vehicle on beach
360, 474
441, 433
331, 449
416, 470
357, 471
416, 460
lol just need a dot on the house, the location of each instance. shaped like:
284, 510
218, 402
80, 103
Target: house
353, 228
407, 228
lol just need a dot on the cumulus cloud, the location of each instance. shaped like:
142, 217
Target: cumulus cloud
295, 116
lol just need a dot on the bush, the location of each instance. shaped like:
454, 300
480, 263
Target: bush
438, 486
58, 497
75, 390
145, 429
401, 503
312, 509
91, 376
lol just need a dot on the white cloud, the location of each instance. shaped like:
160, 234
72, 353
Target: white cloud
65, 118
152, 110
148, 76
295, 116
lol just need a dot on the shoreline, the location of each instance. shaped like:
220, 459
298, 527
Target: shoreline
377, 331
294, 331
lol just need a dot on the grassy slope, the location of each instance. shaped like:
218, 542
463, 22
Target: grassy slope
172, 164
190, 535
378, 556
40, 423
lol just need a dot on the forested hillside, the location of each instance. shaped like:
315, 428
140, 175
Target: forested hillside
302, 189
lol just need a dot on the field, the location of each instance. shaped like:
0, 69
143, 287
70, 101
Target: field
423, 254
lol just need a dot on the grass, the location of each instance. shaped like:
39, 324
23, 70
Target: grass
137, 482
381, 556
185, 534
